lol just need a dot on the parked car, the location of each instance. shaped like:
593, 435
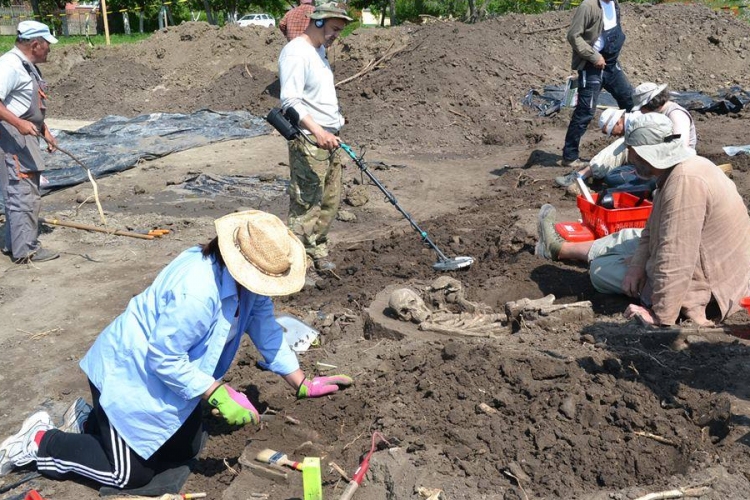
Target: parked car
264, 20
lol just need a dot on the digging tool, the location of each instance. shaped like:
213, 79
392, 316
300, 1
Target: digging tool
274, 457
359, 474
16, 484
87, 227
166, 496
88, 172
288, 126
158, 233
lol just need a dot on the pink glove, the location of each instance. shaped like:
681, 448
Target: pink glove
234, 406
321, 386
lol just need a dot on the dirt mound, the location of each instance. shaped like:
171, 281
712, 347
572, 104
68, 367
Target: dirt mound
178, 69
574, 410
451, 86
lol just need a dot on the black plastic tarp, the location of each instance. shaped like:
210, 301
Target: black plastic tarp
728, 100
115, 143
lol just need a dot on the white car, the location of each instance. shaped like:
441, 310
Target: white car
264, 20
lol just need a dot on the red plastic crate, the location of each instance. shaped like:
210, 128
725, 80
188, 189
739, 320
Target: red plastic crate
603, 221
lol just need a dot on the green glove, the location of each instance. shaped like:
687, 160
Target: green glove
233, 406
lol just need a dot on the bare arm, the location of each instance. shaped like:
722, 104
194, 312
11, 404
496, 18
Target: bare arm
23, 126
323, 138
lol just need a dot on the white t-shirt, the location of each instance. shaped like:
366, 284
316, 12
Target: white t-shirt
609, 17
16, 87
307, 84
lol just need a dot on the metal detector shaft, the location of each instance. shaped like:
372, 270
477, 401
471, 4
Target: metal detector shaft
287, 124
392, 199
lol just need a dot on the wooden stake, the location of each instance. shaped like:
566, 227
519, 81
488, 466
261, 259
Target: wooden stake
341, 472
679, 493
106, 22
87, 227
660, 439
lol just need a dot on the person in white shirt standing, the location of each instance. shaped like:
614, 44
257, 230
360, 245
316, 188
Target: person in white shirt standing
307, 87
22, 111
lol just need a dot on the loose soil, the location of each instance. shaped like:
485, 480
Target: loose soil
591, 410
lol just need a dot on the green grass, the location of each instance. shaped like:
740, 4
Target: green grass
349, 28
7, 42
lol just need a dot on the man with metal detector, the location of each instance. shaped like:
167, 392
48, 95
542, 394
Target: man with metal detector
288, 125
22, 109
307, 87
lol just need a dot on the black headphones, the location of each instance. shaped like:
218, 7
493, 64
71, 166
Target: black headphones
319, 23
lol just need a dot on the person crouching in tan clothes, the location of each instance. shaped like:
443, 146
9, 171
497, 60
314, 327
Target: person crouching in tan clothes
695, 248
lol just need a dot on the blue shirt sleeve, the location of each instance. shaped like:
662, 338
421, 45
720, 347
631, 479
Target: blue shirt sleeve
182, 323
268, 338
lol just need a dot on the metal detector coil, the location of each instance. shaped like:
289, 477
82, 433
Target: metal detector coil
444, 263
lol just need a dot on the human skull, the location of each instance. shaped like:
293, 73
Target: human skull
408, 305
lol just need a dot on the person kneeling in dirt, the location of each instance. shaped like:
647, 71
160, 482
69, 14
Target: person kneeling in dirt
610, 163
315, 171
150, 368
695, 248
612, 122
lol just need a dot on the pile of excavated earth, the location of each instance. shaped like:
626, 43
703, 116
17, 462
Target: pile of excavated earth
552, 403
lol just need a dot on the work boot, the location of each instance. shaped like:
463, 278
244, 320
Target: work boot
576, 164
20, 449
567, 179
324, 264
550, 242
41, 255
312, 278
726, 168
573, 190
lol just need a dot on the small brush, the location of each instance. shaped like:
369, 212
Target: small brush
276, 458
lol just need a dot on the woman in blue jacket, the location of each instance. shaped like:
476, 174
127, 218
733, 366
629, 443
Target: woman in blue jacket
149, 369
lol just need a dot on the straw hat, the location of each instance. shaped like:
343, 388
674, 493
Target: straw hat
650, 135
261, 253
644, 92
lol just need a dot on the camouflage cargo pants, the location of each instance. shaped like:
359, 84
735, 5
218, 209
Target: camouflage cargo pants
314, 194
